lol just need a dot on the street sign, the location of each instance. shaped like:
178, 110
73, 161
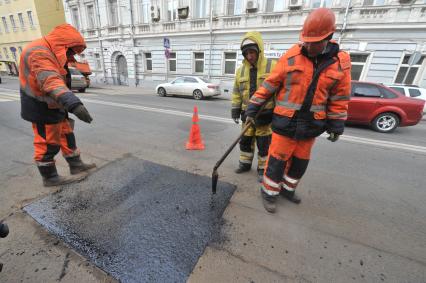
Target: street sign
414, 58
272, 53
166, 42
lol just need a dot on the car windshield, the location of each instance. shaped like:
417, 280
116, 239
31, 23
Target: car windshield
205, 80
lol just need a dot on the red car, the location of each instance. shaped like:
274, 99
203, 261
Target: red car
382, 108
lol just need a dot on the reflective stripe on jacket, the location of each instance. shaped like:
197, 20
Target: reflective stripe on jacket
241, 89
294, 73
45, 96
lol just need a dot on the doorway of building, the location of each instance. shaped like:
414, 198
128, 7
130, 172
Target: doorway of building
122, 74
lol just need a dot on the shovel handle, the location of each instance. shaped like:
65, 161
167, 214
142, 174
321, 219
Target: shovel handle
244, 130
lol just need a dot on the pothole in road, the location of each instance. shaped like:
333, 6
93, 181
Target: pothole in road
137, 220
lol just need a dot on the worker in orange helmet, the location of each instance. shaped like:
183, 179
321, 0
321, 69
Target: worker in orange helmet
46, 99
312, 82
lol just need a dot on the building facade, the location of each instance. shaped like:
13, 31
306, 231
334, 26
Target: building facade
134, 41
22, 21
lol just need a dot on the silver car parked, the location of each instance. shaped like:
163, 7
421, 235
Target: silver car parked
78, 81
196, 87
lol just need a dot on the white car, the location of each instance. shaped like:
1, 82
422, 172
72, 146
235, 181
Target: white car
196, 87
411, 91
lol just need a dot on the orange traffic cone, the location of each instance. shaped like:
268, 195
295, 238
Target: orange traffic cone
195, 141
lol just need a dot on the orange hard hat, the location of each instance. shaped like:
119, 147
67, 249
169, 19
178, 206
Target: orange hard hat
319, 24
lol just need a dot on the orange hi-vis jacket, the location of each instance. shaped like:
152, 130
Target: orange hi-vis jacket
45, 97
292, 77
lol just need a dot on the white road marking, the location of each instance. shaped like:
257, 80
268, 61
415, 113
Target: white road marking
5, 100
7, 97
158, 110
379, 143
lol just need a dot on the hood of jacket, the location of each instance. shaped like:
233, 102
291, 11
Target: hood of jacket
63, 37
256, 37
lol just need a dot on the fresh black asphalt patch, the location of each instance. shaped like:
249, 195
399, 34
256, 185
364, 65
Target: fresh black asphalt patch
137, 220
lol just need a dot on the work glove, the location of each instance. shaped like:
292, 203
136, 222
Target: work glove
333, 136
249, 120
236, 120
81, 112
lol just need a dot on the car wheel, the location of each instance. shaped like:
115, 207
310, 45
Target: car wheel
385, 122
162, 92
197, 94
82, 90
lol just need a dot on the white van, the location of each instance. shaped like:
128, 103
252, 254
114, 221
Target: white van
411, 91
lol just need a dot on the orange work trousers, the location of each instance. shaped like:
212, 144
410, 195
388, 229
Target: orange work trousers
287, 162
50, 138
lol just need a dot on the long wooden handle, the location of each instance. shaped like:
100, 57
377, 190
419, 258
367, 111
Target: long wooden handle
246, 127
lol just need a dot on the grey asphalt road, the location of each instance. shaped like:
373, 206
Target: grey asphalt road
362, 218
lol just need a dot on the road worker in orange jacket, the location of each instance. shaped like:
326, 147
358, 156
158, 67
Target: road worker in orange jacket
313, 83
46, 99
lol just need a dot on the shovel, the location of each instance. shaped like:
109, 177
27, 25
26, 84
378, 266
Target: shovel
215, 175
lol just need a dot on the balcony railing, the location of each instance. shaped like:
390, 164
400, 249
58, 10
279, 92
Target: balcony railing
231, 22
198, 24
169, 26
377, 14
143, 28
271, 19
113, 30
358, 15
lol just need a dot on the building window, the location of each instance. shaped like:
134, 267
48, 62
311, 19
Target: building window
321, 3
373, 3
148, 61
75, 18
30, 18
144, 8
172, 62
113, 12
6, 27
12, 21
274, 5
90, 16
98, 65
199, 62
234, 7
404, 68
21, 20
358, 63
200, 9
171, 10
230, 63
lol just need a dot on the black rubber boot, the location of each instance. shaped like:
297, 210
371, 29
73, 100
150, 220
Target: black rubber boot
260, 173
269, 202
290, 195
51, 177
77, 166
243, 167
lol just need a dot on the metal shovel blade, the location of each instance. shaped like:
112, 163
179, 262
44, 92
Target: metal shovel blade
215, 177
